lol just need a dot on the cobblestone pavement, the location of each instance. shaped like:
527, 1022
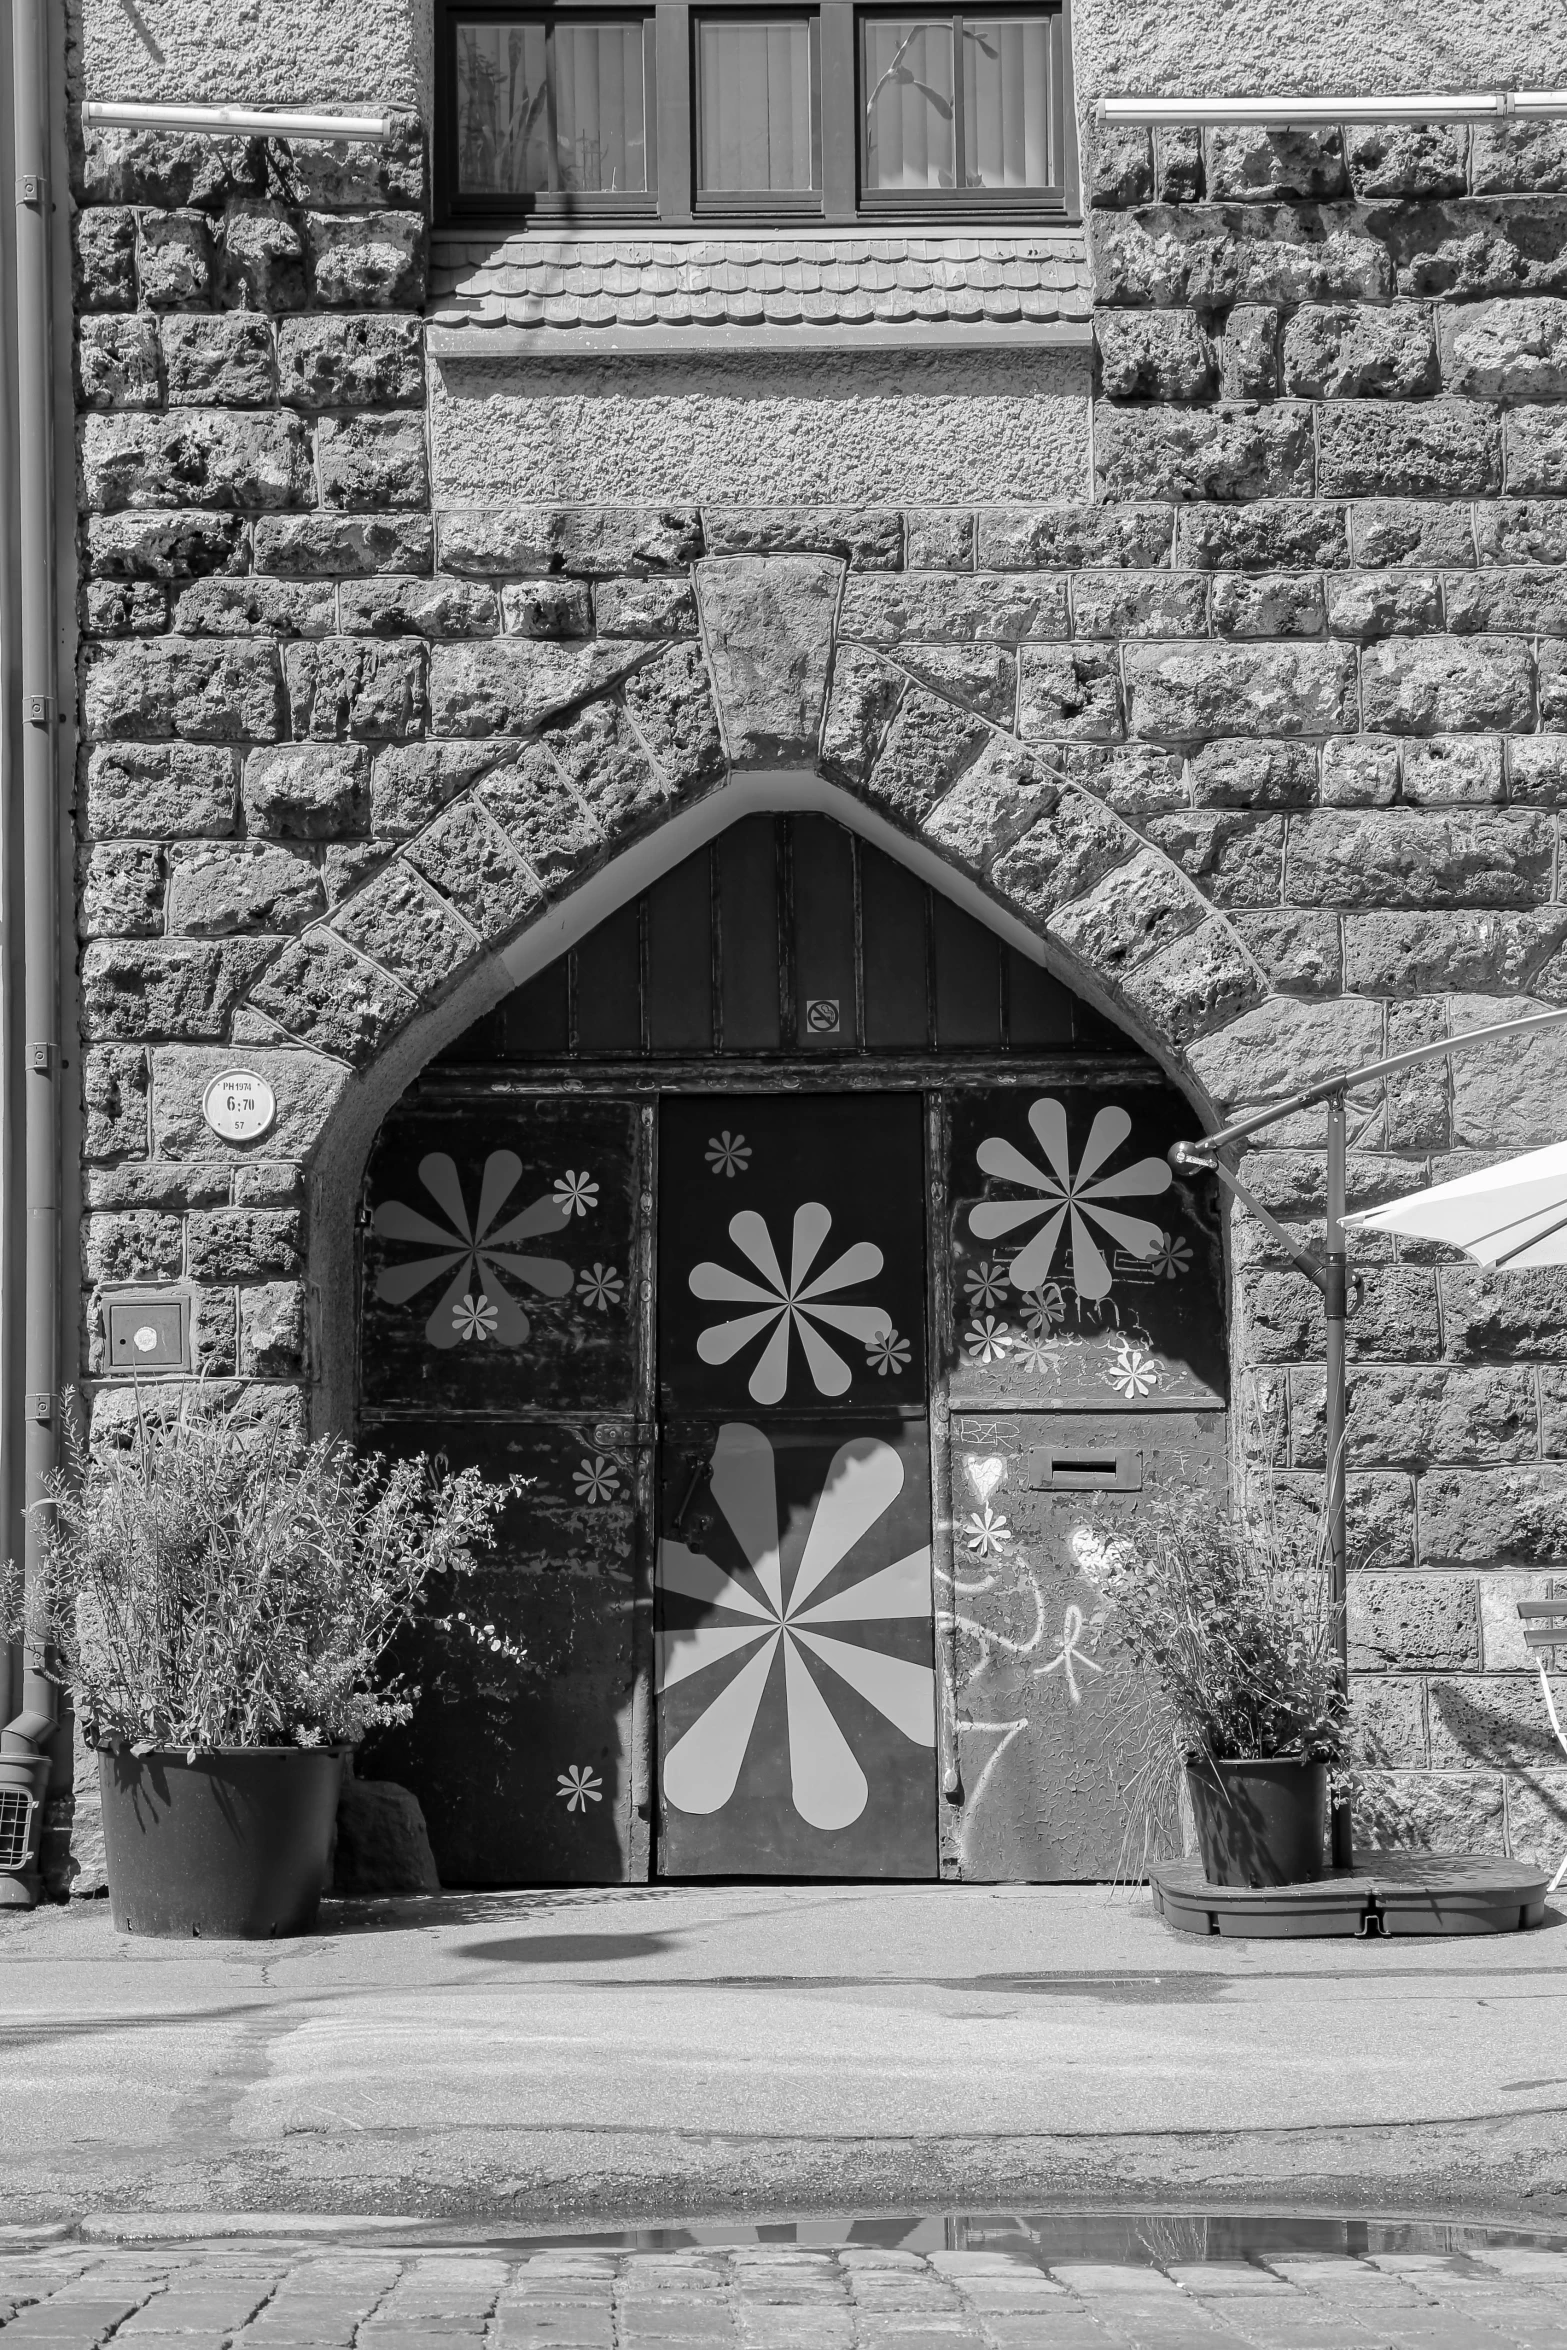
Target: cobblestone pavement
770, 2298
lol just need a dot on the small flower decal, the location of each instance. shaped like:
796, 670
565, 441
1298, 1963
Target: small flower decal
602, 1287
575, 1194
728, 1154
888, 1353
987, 1340
1133, 1373
986, 1533
1045, 1308
1035, 1354
986, 1285
596, 1479
474, 1317
580, 1786
1172, 1258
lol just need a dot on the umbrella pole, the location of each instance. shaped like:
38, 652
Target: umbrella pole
1334, 1288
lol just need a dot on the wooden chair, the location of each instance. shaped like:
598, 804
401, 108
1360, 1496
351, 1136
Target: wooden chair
1545, 1628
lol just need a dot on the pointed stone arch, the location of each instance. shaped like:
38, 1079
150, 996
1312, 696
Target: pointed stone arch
564, 777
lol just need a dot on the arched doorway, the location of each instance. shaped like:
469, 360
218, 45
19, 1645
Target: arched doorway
813, 1252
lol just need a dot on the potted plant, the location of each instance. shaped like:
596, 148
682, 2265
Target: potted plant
1230, 1621
220, 1596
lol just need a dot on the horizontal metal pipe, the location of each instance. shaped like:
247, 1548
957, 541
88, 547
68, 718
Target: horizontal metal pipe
128, 115
1402, 106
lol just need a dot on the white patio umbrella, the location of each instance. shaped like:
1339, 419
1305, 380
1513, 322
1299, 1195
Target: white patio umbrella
1511, 1214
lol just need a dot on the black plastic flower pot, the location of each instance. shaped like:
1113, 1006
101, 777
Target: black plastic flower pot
234, 1844
1259, 1823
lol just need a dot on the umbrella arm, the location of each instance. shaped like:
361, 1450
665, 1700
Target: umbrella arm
1308, 1260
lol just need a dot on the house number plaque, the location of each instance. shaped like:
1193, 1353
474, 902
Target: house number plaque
239, 1106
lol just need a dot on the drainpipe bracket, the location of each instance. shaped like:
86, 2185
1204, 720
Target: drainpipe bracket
40, 710
40, 1059
31, 188
39, 1405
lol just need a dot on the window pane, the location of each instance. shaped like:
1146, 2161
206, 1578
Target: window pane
1006, 102
908, 94
551, 108
754, 103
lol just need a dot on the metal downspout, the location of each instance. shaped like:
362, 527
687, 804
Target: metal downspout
24, 1758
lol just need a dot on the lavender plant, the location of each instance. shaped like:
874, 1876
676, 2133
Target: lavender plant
218, 1581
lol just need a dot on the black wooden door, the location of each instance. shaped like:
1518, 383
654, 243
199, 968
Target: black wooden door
796, 1690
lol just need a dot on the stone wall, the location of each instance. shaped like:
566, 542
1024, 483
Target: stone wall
1265, 730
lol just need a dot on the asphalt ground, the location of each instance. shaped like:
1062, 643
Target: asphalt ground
642, 2053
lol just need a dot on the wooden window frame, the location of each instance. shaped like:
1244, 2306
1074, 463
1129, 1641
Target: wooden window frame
673, 200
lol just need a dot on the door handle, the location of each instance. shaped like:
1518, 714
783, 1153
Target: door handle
700, 1472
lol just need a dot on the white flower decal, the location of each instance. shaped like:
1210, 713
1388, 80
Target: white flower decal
780, 1305
475, 1317
596, 1480
580, 1786
1066, 1196
576, 1193
1037, 1355
601, 1287
987, 1340
1132, 1373
1045, 1308
986, 1285
890, 1353
702, 1768
728, 1154
475, 1251
986, 1533
1172, 1257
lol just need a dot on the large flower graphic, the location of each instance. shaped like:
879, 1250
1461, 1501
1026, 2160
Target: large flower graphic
476, 1251
1078, 1197
830, 1790
779, 1305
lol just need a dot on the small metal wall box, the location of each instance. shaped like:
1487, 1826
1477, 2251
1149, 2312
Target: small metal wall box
1053, 1468
149, 1334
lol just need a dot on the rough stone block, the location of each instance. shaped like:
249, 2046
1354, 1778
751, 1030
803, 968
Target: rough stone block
1413, 1623
1363, 605
173, 258
991, 805
1361, 771
1419, 1414
405, 929
1506, 350
1300, 953
1504, 1315
1135, 779
207, 689
307, 1089
929, 745
866, 538
124, 607
1494, 1718
554, 829
548, 608
320, 993
1273, 535
1069, 693
360, 686
1060, 857
1147, 603
1537, 770
140, 1246
1421, 954
181, 988
1248, 163
1430, 1811
1166, 257
1521, 531
117, 361
1396, 1321
469, 859
343, 546
1358, 351
390, 606
1129, 915
164, 546
935, 538
194, 457
1518, 158
512, 686
1381, 1528
372, 262
374, 461
171, 791
981, 677
1387, 531
272, 1331
1447, 685
1154, 355
593, 544
243, 1244
1537, 1808
373, 362
1195, 986
865, 696
648, 608
1120, 166
1249, 354
1187, 692
1474, 248
1178, 171
115, 1086
1285, 1045
1551, 678
958, 608
1270, 604
1069, 538
1515, 1513
671, 700
339, 175
1408, 158
120, 892
347, 864
1233, 451
103, 258
229, 606
413, 782
1535, 445
1432, 449
1235, 859
223, 362
1446, 770
1398, 857
247, 885
383, 1846
264, 266
1526, 603
768, 622
167, 168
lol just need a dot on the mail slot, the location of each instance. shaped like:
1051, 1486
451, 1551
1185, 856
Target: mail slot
1061, 1468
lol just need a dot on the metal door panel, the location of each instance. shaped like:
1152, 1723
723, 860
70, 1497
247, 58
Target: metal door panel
1050, 1716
